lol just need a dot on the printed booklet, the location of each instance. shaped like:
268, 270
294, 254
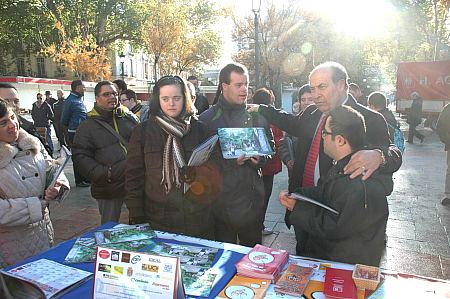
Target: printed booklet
241, 287
294, 280
202, 152
300, 197
339, 284
124, 234
43, 279
127, 274
236, 142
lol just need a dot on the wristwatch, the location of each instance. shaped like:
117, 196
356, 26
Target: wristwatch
383, 158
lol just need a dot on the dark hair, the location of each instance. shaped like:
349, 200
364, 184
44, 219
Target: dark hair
192, 77
304, 89
348, 123
188, 106
7, 85
377, 99
338, 71
224, 76
120, 84
353, 86
39, 94
75, 84
5, 106
99, 86
263, 96
130, 94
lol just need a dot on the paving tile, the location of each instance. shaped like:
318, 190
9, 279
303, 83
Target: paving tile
401, 243
282, 228
435, 249
273, 216
445, 264
285, 241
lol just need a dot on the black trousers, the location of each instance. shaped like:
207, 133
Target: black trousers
250, 235
268, 185
78, 177
413, 133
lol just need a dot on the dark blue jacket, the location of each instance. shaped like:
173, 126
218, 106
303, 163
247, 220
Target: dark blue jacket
74, 112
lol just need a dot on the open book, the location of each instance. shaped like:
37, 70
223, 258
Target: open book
236, 142
42, 279
202, 152
310, 200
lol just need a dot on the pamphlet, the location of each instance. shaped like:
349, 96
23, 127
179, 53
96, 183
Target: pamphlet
124, 234
58, 166
196, 263
202, 152
43, 279
127, 274
339, 284
294, 280
236, 142
245, 287
310, 200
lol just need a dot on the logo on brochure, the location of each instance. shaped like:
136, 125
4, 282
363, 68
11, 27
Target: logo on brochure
104, 268
150, 268
125, 257
135, 259
104, 254
130, 271
118, 270
258, 257
115, 256
168, 268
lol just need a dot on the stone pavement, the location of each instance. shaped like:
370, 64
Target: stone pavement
417, 230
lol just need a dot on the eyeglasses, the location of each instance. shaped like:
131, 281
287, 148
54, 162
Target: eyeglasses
39, 98
124, 100
325, 133
108, 94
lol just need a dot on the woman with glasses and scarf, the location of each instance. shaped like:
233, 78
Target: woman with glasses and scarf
157, 172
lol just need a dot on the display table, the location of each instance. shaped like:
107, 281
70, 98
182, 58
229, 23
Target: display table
394, 286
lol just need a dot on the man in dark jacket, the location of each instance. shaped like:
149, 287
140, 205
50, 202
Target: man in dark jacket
100, 150
42, 114
329, 88
415, 118
356, 233
377, 101
58, 107
201, 102
238, 210
443, 130
73, 113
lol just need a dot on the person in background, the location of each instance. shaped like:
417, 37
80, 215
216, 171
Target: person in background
120, 86
415, 118
49, 98
9, 93
25, 225
200, 101
377, 101
273, 166
73, 114
443, 130
356, 234
356, 92
129, 99
237, 211
287, 143
42, 114
156, 171
100, 150
60, 130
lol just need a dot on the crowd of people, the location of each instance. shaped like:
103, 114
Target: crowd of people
337, 151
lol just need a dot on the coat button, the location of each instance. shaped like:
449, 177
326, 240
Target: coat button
23, 178
27, 153
36, 174
109, 180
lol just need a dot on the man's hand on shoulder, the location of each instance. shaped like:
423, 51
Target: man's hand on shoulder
363, 162
253, 108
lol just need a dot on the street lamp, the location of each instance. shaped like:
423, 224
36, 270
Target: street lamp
256, 6
122, 62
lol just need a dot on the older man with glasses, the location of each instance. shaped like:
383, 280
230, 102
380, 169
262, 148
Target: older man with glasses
100, 150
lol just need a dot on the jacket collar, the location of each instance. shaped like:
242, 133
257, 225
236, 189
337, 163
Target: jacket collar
24, 142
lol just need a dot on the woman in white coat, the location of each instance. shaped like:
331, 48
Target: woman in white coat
25, 226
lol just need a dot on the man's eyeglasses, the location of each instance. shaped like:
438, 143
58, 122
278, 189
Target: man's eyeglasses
39, 98
325, 133
108, 94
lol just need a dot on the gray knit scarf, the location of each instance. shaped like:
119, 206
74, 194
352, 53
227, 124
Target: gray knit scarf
173, 156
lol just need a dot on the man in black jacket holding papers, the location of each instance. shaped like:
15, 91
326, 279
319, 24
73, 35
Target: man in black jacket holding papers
356, 234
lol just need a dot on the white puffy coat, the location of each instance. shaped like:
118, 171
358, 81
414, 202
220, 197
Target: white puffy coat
24, 230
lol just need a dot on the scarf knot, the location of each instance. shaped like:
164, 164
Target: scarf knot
173, 155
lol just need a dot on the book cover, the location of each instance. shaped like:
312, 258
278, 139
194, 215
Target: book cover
45, 277
339, 284
235, 142
241, 287
202, 152
263, 262
124, 234
294, 280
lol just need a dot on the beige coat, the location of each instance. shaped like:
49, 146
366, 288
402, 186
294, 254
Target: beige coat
24, 229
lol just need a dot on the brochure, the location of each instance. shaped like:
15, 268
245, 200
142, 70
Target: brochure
201, 153
196, 263
84, 249
58, 166
124, 234
236, 142
339, 284
241, 287
43, 279
310, 200
127, 274
294, 280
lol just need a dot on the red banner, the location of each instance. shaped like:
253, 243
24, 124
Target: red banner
430, 79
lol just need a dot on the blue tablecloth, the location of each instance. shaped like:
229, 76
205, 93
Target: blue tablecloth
59, 252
